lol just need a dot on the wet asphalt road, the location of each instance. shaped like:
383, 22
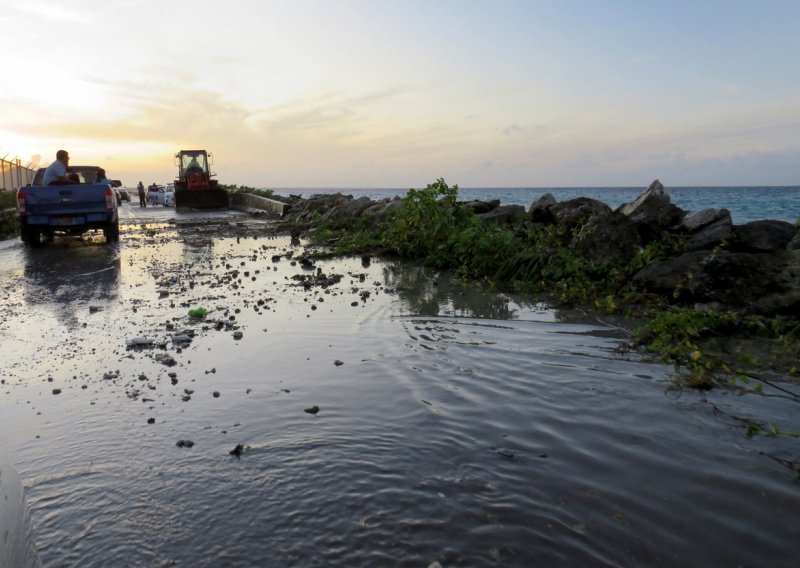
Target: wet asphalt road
131, 213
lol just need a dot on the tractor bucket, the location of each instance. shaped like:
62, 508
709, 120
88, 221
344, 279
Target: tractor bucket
201, 198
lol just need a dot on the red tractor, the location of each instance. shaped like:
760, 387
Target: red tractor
194, 187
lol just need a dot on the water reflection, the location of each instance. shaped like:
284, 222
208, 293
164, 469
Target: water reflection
429, 292
70, 273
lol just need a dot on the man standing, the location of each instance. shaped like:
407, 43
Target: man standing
56, 173
142, 201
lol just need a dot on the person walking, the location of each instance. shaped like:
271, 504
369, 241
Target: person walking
142, 200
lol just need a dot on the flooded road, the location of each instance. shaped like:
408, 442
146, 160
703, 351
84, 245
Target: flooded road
383, 414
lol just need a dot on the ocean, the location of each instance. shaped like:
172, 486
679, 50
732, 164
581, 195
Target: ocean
746, 203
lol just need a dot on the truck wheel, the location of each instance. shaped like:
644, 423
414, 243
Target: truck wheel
30, 237
112, 233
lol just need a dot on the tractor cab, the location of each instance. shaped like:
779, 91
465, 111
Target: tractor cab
193, 167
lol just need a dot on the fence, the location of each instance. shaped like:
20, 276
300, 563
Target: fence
14, 174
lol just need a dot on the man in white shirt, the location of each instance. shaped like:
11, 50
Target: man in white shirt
56, 173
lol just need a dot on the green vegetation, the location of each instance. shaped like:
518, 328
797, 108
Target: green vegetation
247, 189
9, 224
198, 313
7, 199
710, 348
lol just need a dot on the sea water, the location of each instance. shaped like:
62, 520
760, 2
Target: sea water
746, 203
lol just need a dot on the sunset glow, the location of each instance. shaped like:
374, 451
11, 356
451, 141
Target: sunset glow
383, 93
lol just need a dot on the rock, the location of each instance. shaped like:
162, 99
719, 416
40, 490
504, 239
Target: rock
380, 212
184, 443
764, 236
312, 410
693, 222
737, 279
237, 451
665, 275
181, 338
151, 420
576, 212
481, 207
215, 394
713, 234
166, 359
652, 211
539, 211
238, 334
140, 342
338, 362
56, 391
608, 239
505, 214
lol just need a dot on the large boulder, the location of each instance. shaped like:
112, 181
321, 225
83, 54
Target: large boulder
716, 231
653, 212
668, 276
753, 282
785, 299
764, 236
694, 221
739, 279
322, 203
380, 212
505, 214
608, 239
350, 208
480, 207
539, 211
576, 212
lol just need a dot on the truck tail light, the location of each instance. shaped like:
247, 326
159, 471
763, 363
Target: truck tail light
21, 202
110, 201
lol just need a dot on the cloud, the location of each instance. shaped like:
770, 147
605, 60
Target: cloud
512, 129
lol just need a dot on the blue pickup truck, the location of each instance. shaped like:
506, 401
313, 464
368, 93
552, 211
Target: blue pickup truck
49, 210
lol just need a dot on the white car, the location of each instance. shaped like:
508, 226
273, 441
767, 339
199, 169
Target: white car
162, 195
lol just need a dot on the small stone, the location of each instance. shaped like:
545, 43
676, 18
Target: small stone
237, 451
338, 363
151, 420
238, 334
215, 394
312, 410
184, 443
56, 391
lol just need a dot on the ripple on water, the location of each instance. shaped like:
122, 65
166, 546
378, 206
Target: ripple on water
470, 429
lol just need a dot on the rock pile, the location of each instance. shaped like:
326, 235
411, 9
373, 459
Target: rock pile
754, 267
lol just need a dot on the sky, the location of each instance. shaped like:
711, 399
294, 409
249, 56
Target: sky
396, 94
